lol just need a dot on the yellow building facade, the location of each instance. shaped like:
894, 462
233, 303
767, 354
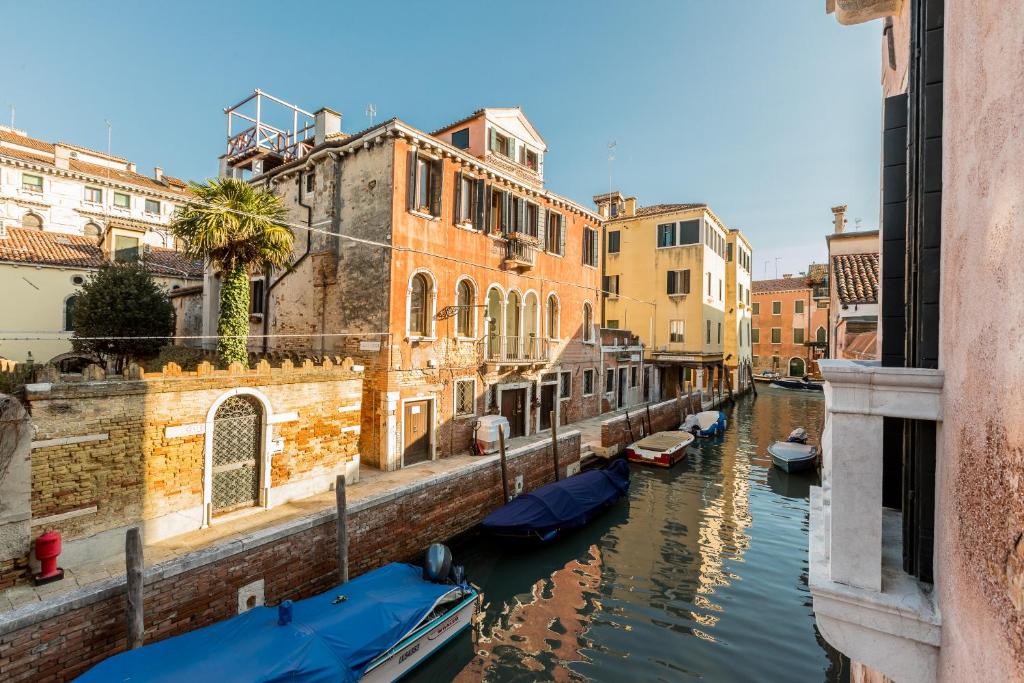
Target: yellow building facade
665, 280
739, 256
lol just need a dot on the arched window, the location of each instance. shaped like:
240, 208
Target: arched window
513, 342
32, 221
553, 317
797, 368
92, 230
821, 335
464, 296
530, 321
419, 306
69, 313
236, 454
494, 310
588, 323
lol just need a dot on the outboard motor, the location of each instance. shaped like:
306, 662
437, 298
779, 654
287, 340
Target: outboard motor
798, 435
437, 565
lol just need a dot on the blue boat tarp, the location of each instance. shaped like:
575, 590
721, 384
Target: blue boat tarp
327, 639
562, 505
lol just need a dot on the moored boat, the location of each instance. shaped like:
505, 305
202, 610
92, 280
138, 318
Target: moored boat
706, 423
377, 627
794, 454
798, 384
556, 508
662, 448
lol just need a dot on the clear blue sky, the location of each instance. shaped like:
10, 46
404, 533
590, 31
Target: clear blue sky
767, 110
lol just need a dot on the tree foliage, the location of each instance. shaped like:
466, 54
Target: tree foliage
117, 305
237, 228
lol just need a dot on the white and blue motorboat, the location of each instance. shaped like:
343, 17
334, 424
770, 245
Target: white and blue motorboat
706, 423
377, 628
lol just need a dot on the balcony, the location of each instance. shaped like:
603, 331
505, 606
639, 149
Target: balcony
501, 350
520, 251
865, 605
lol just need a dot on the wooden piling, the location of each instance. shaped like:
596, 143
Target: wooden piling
554, 443
341, 501
650, 429
504, 463
630, 428
133, 569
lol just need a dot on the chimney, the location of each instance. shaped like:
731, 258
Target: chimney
787, 275
840, 218
325, 122
630, 206
131, 166
158, 174
61, 156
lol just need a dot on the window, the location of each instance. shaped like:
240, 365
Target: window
564, 385
122, 200
460, 138
94, 195
419, 303
501, 144
465, 199
676, 331
755, 335
798, 335
820, 335
776, 308
31, 183
798, 306
755, 308
32, 221
464, 315
588, 382
719, 333
91, 230
728, 252
612, 324
310, 182
609, 380
552, 317
709, 283
589, 247
632, 376
776, 335
69, 313
667, 235
748, 296
465, 395
555, 234
532, 220
424, 184
708, 332
613, 241
689, 232
256, 293
532, 160
126, 249
823, 304
588, 323
719, 289
678, 282
610, 285
153, 207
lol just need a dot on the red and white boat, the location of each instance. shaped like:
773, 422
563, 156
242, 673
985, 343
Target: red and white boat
663, 448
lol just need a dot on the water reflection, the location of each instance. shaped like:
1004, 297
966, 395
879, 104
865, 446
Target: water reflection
701, 573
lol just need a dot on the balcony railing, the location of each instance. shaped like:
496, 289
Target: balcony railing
520, 252
502, 350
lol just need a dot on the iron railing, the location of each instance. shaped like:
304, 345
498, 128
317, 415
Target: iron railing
520, 252
506, 350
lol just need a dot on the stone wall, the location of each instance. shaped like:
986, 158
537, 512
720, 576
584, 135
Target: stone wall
113, 453
615, 431
59, 639
15, 474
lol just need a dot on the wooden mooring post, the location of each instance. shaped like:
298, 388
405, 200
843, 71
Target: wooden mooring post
341, 501
504, 464
133, 561
554, 443
650, 429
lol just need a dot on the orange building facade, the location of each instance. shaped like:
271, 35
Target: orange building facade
442, 264
789, 323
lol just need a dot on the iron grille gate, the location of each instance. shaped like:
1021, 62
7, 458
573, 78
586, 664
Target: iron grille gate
236, 451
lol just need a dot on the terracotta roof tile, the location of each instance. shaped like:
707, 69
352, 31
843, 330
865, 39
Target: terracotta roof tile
782, 284
15, 139
27, 156
123, 176
856, 277
39, 247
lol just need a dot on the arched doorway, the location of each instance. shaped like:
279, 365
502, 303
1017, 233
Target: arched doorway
237, 428
797, 367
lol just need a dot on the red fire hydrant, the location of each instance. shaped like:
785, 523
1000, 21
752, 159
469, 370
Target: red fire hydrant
47, 551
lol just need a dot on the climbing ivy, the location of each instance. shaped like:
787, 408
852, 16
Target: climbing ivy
233, 323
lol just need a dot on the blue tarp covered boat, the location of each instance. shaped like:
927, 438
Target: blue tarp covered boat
561, 506
383, 613
798, 384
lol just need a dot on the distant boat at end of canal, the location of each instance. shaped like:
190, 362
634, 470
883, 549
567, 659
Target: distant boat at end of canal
798, 384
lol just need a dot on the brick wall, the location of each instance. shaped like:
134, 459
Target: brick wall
58, 641
615, 433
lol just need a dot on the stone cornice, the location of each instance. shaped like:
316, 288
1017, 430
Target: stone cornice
44, 167
912, 393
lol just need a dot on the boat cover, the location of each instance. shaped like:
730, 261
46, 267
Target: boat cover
565, 504
327, 640
792, 452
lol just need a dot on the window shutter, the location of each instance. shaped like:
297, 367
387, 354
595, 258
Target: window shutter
686, 281
671, 289
493, 146
561, 235
522, 215
436, 186
606, 286
488, 193
457, 208
481, 204
506, 211
411, 180
541, 213
544, 218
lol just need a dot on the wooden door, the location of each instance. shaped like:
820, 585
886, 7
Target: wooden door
417, 432
513, 407
547, 404
622, 387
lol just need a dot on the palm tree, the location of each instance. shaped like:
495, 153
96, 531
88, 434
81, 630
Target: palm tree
236, 228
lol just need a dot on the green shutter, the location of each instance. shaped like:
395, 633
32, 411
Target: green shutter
481, 204
561, 235
457, 208
671, 288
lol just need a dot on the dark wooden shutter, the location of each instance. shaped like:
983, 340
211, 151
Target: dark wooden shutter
545, 221
506, 211
457, 216
488, 193
411, 180
521, 203
481, 204
671, 289
686, 281
436, 186
561, 235
606, 284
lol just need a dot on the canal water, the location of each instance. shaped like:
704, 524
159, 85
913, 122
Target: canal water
701, 573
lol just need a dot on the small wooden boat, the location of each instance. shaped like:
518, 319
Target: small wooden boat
797, 384
706, 423
662, 448
556, 508
377, 627
794, 454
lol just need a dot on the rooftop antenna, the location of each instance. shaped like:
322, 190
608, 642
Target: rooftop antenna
12, 115
611, 157
371, 112
766, 269
109, 129
856, 223
777, 259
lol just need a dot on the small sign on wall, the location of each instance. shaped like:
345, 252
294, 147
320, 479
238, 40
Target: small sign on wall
369, 345
573, 468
